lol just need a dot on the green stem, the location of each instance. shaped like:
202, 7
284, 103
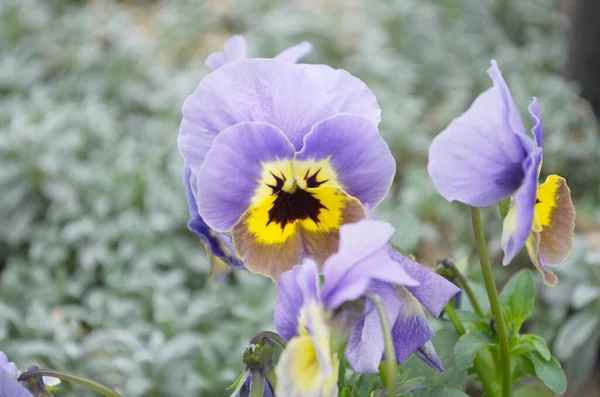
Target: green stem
490, 285
478, 364
90, 384
269, 335
257, 385
390, 352
464, 284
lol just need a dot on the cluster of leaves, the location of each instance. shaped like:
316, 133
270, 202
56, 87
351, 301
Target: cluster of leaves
99, 275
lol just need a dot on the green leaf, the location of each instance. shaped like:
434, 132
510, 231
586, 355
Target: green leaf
538, 344
535, 389
439, 392
443, 341
518, 298
469, 345
549, 372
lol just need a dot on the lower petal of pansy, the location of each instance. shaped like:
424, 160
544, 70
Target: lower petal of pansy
518, 222
411, 329
551, 240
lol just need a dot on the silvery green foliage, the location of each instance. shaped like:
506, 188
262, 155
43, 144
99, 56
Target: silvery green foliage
99, 274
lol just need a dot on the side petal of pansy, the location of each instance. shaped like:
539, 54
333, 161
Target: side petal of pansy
294, 288
519, 219
551, 239
361, 160
9, 386
219, 247
346, 93
478, 158
307, 366
262, 90
432, 291
234, 49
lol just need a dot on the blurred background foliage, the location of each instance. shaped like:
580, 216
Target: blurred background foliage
99, 274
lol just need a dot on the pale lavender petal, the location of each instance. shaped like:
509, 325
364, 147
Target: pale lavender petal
411, 329
229, 177
538, 127
366, 343
8, 366
218, 244
293, 288
295, 53
262, 90
362, 257
478, 158
428, 354
519, 220
346, 93
234, 50
433, 290
360, 157
10, 388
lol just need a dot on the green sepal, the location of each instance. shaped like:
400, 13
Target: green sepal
504, 206
257, 384
239, 383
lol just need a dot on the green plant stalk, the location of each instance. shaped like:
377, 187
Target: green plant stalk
269, 335
478, 364
464, 284
490, 285
90, 384
257, 385
390, 352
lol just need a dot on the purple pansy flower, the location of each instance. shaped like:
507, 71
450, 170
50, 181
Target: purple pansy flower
282, 155
485, 156
304, 309
222, 255
8, 383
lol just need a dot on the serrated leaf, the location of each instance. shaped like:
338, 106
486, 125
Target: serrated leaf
549, 372
443, 341
518, 298
439, 392
469, 345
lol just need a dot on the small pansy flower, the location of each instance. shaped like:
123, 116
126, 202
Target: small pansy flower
221, 254
485, 156
9, 387
282, 155
305, 312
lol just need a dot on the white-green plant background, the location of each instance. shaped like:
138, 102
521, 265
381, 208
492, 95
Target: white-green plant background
98, 273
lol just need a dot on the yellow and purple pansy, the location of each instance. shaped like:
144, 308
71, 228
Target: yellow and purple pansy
485, 156
282, 155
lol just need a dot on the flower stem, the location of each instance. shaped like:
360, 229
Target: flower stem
90, 384
478, 364
464, 285
269, 335
390, 351
490, 285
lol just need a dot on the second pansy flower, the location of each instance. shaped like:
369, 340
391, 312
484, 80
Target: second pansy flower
282, 155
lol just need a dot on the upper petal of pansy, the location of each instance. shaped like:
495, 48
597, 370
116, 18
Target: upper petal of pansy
518, 221
234, 49
295, 53
538, 127
263, 90
551, 240
366, 343
361, 258
432, 291
294, 287
361, 160
478, 158
230, 177
220, 247
346, 93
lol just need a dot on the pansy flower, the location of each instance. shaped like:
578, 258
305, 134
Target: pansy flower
222, 256
485, 156
305, 312
9, 387
282, 155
